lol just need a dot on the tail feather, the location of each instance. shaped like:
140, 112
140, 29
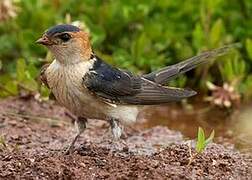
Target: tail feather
167, 73
152, 93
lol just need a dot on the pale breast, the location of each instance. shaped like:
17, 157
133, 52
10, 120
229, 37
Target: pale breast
66, 85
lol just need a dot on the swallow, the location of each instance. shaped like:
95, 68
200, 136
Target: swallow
92, 89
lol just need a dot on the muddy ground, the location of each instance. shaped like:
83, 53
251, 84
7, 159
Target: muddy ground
33, 133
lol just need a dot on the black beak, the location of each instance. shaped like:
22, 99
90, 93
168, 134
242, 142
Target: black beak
44, 40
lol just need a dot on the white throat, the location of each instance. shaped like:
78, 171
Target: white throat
67, 56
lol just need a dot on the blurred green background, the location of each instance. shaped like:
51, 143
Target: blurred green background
141, 36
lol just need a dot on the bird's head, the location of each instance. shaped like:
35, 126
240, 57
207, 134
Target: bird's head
68, 43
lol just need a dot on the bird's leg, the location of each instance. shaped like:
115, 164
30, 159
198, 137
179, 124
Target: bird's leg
115, 128
117, 133
80, 122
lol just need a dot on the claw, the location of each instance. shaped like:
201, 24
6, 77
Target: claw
81, 125
68, 150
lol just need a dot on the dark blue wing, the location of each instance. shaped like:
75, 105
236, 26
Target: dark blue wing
114, 85
111, 83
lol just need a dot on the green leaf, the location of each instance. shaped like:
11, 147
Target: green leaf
26, 75
98, 35
139, 46
200, 140
198, 36
234, 68
246, 87
44, 92
20, 69
33, 71
11, 86
210, 138
216, 33
249, 48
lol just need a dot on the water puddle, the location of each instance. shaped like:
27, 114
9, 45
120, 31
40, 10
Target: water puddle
234, 129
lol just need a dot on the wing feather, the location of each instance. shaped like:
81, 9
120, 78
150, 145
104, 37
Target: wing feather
152, 93
121, 87
165, 74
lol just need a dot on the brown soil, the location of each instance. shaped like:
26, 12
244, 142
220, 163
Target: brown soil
33, 134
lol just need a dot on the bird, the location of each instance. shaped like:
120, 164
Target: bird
90, 88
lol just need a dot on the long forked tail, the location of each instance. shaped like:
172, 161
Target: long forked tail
165, 74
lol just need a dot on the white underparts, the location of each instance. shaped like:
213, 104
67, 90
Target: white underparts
65, 81
126, 114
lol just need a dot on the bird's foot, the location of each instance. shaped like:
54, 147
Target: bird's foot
81, 125
119, 145
67, 150
116, 129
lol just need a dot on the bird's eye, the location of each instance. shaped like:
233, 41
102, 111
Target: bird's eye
64, 37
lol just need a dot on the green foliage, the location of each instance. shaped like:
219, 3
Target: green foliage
140, 36
25, 78
26, 74
234, 68
249, 48
202, 142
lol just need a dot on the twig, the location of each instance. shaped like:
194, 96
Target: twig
35, 118
200, 111
3, 144
192, 156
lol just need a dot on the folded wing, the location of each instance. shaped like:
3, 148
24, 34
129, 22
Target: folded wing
120, 87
